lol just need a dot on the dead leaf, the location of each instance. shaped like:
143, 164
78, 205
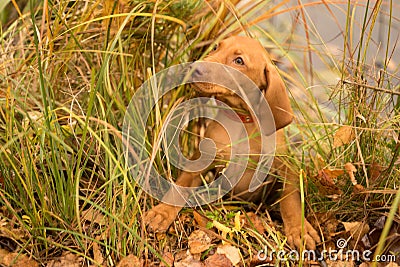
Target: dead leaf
3, 253
262, 260
67, 259
392, 243
16, 259
231, 252
392, 264
94, 216
200, 219
351, 169
351, 225
252, 220
199, 241
191, 263
97, 254
375, 171
168, 258
217, 260
327, 223
130, 261
332, 173
358, 189
343, 136
326, 179
188, 261
356, 229
339, 263
319, 162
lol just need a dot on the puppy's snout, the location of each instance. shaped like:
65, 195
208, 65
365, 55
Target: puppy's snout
197, 70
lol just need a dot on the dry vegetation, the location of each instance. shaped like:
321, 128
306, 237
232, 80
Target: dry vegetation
68, 69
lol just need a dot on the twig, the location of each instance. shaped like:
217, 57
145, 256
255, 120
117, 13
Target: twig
372, 87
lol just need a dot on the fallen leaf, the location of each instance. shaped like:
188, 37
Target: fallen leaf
198, 242
94, 216
326, 179
252, 220
67, 259
97, 254
327, 223
168, 258
262, 260
358, 189
339, 263
130, 261
332, 173
231, 252
351, 169
188, 261
375, 171
392, 244
392, 264
3, 253
319, 162
217, 260
200, 219
16, 259
343, 136
356, 229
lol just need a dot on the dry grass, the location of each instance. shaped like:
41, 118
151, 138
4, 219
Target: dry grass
69, 69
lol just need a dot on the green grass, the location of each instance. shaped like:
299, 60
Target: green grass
69, 69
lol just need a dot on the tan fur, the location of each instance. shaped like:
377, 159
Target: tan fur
259, 68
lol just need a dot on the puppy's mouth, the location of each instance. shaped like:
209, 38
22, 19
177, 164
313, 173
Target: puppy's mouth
209, 89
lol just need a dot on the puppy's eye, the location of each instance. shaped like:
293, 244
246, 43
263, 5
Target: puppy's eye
215, 47
239, 61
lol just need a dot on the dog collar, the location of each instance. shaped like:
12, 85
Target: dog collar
242, 117
245, 118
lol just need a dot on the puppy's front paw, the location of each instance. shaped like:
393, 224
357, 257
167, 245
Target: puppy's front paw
294, 234
160, 217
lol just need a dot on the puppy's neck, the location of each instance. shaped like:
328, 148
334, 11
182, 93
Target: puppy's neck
239, 107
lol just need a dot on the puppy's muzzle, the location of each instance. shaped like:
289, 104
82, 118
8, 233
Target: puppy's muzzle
212, 78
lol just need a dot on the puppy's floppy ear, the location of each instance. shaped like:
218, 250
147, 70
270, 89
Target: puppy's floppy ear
277, 97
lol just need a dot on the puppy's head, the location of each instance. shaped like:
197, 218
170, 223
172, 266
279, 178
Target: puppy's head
248, 56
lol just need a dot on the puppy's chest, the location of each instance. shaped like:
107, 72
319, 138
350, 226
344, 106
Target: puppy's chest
233, 134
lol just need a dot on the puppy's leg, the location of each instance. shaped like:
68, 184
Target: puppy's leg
290, 203
291, 213
160, 217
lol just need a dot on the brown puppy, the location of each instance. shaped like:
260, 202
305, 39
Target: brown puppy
249, 57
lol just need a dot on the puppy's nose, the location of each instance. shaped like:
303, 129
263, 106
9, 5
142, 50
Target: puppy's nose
198, 72
196, 69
